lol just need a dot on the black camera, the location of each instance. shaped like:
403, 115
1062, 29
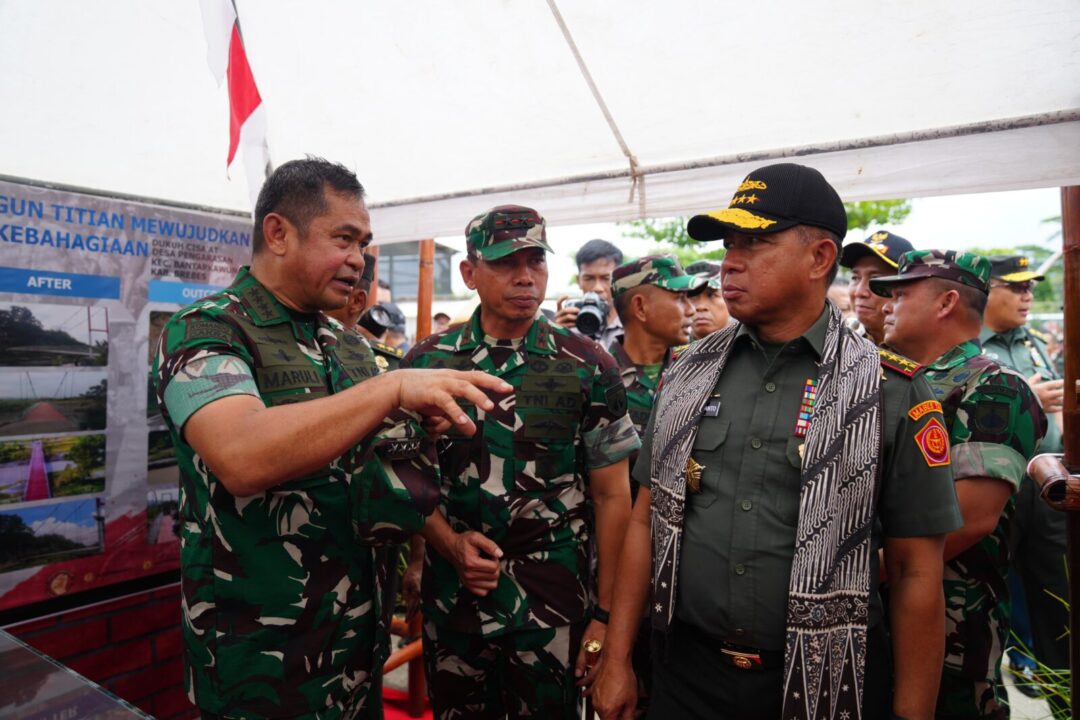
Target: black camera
381, 317
592, 314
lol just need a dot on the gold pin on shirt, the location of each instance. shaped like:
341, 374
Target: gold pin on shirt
693, 475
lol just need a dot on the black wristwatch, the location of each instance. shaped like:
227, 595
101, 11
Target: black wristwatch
601, 615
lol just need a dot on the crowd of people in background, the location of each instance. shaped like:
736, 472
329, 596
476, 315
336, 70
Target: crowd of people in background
740, 489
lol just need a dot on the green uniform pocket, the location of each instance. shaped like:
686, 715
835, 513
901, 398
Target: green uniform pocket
707, 453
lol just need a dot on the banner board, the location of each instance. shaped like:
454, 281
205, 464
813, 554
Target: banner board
88, 477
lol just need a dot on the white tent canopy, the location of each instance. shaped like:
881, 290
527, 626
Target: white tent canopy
447, 108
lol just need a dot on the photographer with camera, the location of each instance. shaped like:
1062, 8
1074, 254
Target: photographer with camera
593, 314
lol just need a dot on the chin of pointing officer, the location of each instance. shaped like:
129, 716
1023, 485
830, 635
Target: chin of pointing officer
781, 455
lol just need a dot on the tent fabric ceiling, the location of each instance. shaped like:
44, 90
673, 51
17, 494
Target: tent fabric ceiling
438, 106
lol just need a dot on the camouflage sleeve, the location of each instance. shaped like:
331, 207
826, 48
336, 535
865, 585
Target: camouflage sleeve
607, 432
198, 360
397, 486
206, 377
998, 427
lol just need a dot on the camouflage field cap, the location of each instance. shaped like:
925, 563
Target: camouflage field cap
775, 198
369, 272
504, 230
1012, 268
962, 267
707, 270
882, 245
663, 271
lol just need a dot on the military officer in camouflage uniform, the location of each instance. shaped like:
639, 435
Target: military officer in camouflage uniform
994, 425
710, 310
651, 298
386, 356
1037, 542
546, 466
782, 454
289, 472
876, 256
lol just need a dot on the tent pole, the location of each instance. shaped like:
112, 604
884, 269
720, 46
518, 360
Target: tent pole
425, 291
1070, 238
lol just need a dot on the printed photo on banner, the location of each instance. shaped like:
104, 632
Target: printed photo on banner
163, 515
158, 318
40, 468
50, 533
161, 468
47, 335
38, 402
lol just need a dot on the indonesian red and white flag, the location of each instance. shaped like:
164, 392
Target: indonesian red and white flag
247, 115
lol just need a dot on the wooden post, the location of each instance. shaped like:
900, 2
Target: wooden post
373, 293
1070, 238
425, 292
417, 674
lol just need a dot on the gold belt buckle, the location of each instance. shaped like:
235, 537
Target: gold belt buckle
743, 661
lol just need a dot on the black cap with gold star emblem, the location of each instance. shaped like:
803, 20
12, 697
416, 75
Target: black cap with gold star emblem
775, 198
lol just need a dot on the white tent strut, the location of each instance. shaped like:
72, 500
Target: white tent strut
638, 179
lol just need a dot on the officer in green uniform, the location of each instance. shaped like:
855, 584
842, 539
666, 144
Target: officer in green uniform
289, 472
994, 424
877, 256
546, 467
781, 455
1037, 541
651, 298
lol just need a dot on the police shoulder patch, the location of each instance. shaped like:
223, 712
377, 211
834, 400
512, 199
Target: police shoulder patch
899, 363
933, 443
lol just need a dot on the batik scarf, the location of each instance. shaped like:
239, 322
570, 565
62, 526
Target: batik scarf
829, 588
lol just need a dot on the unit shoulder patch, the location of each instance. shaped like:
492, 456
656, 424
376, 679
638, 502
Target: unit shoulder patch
927, 406
905, 366
933, 442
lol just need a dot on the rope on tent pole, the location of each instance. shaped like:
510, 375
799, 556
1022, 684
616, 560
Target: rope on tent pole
637, 178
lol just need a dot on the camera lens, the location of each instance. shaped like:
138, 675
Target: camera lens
589, 321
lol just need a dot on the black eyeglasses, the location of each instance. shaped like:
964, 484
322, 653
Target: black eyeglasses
1020, 288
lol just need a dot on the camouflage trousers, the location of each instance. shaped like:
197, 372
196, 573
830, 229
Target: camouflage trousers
523, 674
961, 698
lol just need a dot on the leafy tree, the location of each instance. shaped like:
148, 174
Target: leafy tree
866, 214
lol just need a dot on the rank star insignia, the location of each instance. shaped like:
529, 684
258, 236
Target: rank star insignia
693, 475
382, 362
